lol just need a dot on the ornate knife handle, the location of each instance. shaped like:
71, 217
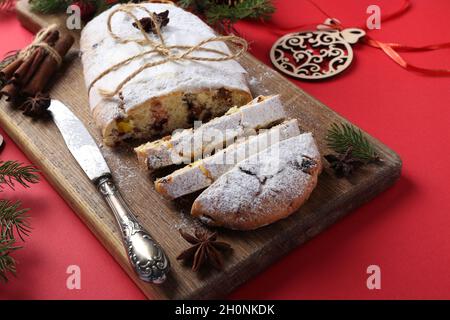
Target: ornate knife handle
145, 254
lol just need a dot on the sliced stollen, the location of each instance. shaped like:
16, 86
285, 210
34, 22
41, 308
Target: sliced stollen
264, 188
202, 173
191, 144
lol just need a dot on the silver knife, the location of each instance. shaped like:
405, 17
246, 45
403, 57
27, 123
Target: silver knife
145, 254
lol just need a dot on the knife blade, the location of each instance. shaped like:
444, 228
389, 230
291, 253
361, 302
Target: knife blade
146, 256
80, 143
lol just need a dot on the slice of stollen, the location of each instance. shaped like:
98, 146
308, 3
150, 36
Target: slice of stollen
202, 173
263, 188
190, 144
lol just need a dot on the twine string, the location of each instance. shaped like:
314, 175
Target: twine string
168, 53
38, 42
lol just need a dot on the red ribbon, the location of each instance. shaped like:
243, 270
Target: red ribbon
392, 49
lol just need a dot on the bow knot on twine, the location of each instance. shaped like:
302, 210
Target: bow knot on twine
168, 53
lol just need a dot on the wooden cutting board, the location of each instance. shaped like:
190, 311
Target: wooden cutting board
253, 251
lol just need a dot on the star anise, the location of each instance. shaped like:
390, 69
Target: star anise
147, 24
205, 249
343, 164
36, 106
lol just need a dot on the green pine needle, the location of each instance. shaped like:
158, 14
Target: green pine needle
13, 220
10, 57
49, 6
252, 9
199, 6
186, 3
7, 262
218, 13
343, 136
13, 171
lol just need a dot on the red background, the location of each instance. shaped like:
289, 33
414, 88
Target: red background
405, 230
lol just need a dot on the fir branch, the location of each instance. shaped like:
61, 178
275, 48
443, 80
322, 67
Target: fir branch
49, 6
7, 262
199, 6
13, 171
342, 137
186, 3
13, 220
223, 16
252, 9
9, 57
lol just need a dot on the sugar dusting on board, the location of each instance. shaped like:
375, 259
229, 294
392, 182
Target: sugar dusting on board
127, 172
186, 221
125, 167
257, 84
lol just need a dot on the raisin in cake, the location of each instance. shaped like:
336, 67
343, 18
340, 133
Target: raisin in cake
263, 188
164, 97
188, 145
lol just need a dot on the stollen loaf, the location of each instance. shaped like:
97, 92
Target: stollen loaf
163, 97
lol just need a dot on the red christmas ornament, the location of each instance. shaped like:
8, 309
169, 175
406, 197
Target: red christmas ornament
87, 9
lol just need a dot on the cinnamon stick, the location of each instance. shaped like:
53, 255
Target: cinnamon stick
9, 91
35, 61
48, 66
24, 73
24, 67
8, 71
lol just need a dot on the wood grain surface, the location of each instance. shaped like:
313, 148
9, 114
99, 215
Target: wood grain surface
253, 251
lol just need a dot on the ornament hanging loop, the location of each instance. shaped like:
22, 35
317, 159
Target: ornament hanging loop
351, 35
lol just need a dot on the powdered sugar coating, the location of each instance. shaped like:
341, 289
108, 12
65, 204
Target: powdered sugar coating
196, 143
204, 172
100, 51
263, 188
